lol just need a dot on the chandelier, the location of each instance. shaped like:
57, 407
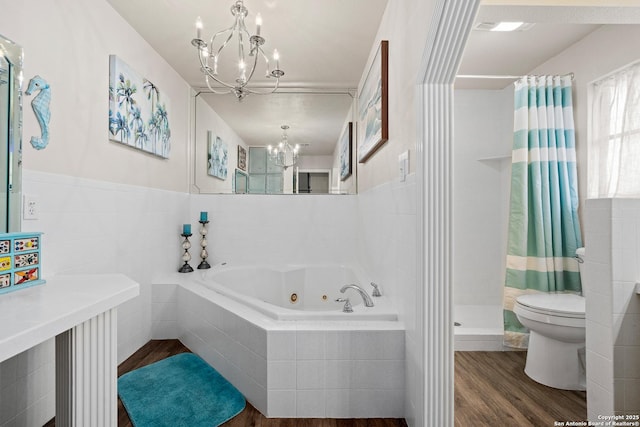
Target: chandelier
284, 155
249, 54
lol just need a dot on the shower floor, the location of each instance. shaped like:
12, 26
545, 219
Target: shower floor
480, 328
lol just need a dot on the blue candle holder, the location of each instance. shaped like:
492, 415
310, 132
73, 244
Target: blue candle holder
186, 268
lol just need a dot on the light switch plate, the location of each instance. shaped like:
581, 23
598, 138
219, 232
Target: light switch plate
403, 165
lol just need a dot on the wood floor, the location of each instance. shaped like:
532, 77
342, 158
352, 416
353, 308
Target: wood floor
491, 389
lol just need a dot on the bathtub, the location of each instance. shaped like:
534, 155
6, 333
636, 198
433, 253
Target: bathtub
276, 333
297, 292
478, 328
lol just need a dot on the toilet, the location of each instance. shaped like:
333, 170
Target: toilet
556, 323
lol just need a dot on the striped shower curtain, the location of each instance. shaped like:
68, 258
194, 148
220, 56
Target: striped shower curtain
544, 232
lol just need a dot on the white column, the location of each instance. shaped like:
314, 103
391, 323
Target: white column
86, 373
449, 31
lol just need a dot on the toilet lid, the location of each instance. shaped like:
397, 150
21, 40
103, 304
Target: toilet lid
560, 304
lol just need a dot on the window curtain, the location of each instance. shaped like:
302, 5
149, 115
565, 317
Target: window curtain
614, 143
544, 232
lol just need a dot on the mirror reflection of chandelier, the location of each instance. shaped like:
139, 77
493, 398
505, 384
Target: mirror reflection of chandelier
249, 53
283, 154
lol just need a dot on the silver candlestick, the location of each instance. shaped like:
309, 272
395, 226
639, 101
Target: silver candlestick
203, 243
186, 268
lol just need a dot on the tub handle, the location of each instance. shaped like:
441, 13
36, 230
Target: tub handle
376, 290
347, 305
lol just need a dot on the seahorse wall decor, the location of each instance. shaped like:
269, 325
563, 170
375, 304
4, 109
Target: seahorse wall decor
40, 105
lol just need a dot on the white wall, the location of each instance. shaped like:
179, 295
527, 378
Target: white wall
103, 207
69, 46
481, 177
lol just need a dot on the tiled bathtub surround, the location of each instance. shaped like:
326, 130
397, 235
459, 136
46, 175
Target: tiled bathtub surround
611, 269
333, 369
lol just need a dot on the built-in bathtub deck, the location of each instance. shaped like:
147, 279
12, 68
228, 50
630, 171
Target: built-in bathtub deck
294, 368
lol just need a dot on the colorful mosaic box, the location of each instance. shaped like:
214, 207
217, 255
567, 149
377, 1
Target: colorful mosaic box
19, 261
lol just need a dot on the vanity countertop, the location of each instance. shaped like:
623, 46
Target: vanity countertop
33, 315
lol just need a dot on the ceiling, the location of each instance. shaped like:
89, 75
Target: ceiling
323, 45
517, 53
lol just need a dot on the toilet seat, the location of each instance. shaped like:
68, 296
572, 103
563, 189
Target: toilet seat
563, 305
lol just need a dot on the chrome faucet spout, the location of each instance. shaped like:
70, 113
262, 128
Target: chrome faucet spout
365, 297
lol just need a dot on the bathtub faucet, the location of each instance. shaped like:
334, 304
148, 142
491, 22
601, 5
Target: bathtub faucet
362, 292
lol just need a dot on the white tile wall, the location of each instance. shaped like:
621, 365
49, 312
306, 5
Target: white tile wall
279, 228
93, 227
387, 248
613, 309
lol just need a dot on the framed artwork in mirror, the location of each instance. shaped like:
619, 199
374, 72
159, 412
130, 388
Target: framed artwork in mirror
242, 158
373, 105
346, 148
217, 157
138, 110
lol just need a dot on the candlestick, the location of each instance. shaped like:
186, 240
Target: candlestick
203, 243
186, 268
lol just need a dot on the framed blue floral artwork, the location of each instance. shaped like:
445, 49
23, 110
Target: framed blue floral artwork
138, 111
217, 157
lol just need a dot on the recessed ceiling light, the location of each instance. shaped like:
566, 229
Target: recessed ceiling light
502, 26
507, 26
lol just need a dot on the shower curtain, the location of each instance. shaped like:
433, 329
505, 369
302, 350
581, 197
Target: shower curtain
544, 232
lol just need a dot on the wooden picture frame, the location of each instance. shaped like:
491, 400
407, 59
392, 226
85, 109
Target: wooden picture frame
373, 105
346, 148
242, 158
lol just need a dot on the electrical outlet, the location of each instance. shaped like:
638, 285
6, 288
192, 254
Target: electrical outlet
30, 207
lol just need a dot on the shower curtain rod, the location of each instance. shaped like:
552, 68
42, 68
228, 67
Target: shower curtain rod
489, 76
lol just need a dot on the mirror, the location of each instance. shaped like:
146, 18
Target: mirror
11, 59
235, 135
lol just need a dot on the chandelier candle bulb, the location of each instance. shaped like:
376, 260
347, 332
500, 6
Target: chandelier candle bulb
199, 28
258, 23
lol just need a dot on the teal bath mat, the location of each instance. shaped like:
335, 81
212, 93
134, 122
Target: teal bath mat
181, 390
